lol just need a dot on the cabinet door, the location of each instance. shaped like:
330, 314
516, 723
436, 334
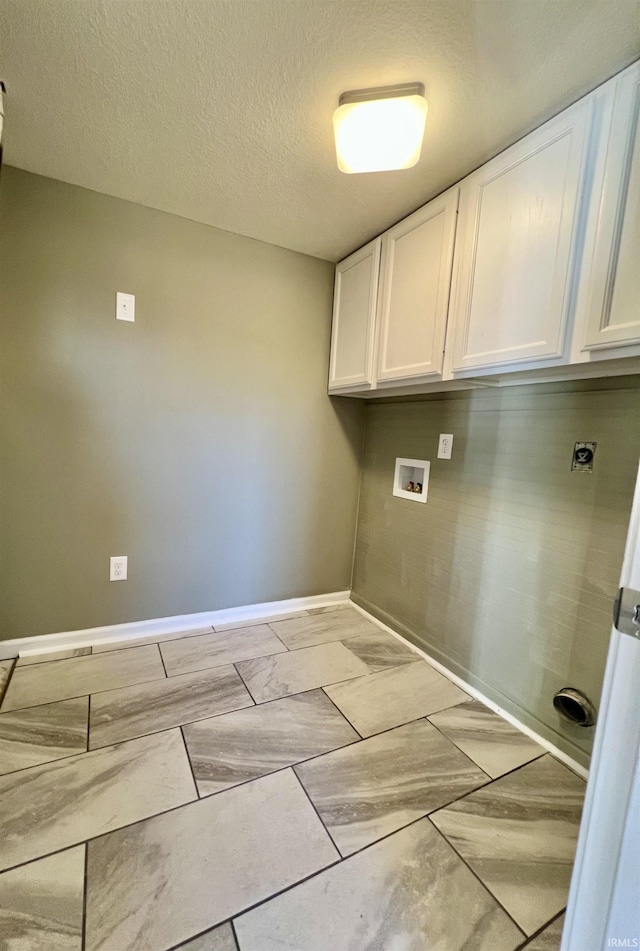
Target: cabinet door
614, 274
516, 247
417, 257
354, 312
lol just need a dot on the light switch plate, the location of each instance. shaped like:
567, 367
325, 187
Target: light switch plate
125, 307
445, 445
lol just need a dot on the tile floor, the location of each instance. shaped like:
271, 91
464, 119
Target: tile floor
306, 784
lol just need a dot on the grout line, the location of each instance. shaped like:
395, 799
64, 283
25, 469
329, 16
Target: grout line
442, 733
235, 936
485, 887
3, 693
320, 819
202, 934
84, 899
540, 930
286, 649
287, 888
343, 714
246, 686
186, 750
164, 666
50, 762
88, 722
484, 786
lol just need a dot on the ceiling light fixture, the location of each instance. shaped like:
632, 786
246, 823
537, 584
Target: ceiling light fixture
380, 129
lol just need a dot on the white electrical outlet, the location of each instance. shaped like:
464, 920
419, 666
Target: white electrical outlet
118, 568
445, 445
125, 307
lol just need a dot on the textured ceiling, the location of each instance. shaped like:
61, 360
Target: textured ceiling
220, 110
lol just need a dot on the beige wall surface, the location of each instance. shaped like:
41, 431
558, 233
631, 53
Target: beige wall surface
199, 441
508, 573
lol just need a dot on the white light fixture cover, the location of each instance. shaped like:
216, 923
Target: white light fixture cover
378, 130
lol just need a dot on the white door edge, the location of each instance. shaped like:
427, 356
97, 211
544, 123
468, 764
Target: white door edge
604, 900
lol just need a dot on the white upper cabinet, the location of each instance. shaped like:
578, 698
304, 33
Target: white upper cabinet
354, 311
613, 275
518, 231
530, 264
417, 258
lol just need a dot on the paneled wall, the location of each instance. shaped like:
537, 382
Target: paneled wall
508, 573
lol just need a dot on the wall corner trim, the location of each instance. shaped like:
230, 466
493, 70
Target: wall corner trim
110, 634
477, 695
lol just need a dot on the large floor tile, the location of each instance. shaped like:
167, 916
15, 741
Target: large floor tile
379, 650
519, 835
41, 904
50, 807
322, 628
219, 939
118, 715
153, 639
549, 938
26, 660
491, 742
367, 790
269, 678
381, 701
79, 676
232, 749
218, 648
160, 882
42, 734
410, 892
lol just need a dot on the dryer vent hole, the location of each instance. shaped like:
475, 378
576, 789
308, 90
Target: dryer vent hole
574, 707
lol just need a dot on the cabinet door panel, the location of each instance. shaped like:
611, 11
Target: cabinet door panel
414, 298
519, 217
614, 299
352, 334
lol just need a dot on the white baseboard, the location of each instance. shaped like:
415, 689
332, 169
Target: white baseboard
48, 643
472, 691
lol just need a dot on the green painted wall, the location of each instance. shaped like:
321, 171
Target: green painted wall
199, 441
507, 574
